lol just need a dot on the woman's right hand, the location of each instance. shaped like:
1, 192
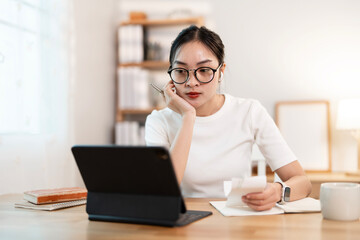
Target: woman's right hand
175, 102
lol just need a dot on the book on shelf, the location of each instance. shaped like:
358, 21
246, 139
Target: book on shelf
133, 84
129, 133
131, 43
55, 195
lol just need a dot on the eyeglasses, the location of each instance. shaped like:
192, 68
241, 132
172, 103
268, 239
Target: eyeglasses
202, 74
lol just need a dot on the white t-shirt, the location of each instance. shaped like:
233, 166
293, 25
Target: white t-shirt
221, 144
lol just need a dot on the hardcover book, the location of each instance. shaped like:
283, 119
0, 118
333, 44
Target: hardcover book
55, 195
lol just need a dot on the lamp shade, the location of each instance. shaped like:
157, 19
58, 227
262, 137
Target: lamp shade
348, 115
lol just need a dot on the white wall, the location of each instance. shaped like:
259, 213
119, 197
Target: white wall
94, 71
294, 50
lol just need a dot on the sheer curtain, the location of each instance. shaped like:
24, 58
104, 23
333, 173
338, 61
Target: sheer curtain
35, 119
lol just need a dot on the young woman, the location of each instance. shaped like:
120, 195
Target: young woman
210, 135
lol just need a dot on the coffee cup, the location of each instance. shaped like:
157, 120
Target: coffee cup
340, 201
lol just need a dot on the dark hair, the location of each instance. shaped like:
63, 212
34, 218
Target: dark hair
207, 37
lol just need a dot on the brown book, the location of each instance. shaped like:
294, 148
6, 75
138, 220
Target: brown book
55, 195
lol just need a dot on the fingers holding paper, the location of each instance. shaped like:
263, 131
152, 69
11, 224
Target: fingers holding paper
264, 200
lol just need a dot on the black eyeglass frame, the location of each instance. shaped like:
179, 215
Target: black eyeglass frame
194, 70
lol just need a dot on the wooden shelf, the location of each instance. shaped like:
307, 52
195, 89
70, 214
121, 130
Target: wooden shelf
123, 112
165, 22
147, 64
136, 111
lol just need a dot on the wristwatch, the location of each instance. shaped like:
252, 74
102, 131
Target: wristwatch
285, 193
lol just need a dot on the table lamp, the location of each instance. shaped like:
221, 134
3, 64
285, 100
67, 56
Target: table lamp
348, 118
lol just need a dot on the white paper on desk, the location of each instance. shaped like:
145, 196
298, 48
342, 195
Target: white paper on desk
305, 205
242, 210
242, 186
301, 206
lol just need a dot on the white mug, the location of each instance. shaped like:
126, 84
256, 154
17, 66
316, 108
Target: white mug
340, 201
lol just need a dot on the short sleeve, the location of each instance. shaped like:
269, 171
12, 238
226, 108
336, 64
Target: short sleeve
269, 139
155, 130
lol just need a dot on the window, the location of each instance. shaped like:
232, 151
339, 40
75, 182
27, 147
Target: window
32, 60
34, 82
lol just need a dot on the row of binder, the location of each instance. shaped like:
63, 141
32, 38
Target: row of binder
129, 133
131, 43
133, 84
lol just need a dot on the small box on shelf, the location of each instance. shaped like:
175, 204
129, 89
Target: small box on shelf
135, 16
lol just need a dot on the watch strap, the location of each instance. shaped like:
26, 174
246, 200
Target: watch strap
285, 193
281, 201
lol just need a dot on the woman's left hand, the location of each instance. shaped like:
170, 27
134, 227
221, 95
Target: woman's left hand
264, 200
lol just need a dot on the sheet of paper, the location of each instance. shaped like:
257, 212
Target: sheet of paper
302, 206
305, 205
242, 186
242, 210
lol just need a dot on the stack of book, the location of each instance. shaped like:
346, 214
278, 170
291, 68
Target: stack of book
52, 199
131, 43
129, 133
133, 83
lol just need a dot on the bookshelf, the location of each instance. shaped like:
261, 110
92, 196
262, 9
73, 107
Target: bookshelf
138, 68
149, 64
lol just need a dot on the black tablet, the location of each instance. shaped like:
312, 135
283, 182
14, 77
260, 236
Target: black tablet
133, 184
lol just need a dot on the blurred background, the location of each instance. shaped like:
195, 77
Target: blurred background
60, 68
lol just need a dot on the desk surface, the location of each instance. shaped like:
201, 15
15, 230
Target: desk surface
72, 223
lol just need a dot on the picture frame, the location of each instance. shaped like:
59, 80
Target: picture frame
305, 126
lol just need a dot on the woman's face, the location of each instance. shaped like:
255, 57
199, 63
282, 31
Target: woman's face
193, 55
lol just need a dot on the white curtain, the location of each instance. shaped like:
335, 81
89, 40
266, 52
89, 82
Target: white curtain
35, 119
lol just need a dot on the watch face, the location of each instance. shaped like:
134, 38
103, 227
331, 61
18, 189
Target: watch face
287, 194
